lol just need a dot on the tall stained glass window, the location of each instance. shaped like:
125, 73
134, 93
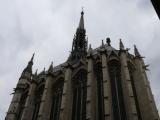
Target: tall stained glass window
22, 104
57, 97
79, 95
99, 78
39, 93
118, 106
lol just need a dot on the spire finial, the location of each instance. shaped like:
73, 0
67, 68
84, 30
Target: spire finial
82, 10
81, 22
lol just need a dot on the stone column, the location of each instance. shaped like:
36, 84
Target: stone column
145, 98
127, 88
91, 90
66, 103
106, 88
30, 103
46, 101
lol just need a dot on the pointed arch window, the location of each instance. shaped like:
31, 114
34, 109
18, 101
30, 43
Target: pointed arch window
38, 98
79, 95
99, 77
118, 106
57, 97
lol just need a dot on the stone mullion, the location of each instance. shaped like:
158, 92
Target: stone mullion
106, 89
91, 99
127, 89
46, 101
29, 105
66, 103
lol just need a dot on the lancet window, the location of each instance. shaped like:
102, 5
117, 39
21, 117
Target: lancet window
118, 106
38, 98
99, 78
79, 95
57, 97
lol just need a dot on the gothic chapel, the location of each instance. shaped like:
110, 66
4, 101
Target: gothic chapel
93, 84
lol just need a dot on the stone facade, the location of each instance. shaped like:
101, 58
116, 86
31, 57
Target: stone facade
93, 84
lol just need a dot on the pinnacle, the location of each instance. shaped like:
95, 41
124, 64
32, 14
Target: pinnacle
121, 45
136, 52
51, 67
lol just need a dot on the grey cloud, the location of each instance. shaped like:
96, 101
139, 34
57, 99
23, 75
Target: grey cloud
46, 27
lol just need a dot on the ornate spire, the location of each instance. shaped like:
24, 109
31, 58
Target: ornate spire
79, 45
121, 46
136, 52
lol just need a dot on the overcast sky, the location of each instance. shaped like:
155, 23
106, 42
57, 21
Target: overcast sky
46, 27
